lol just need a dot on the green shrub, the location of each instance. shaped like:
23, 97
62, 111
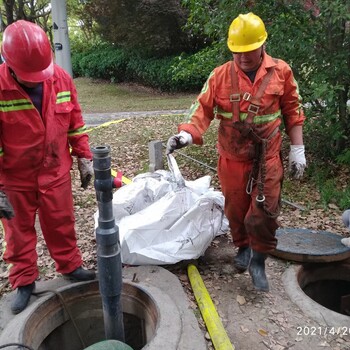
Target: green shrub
189, 72
104, 64
174, 73
152, 72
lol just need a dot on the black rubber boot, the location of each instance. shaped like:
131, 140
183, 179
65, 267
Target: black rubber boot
22, 298
80, 274
257, 271
242, 259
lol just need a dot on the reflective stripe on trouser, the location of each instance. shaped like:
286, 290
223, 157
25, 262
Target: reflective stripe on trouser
249, 224
56, 217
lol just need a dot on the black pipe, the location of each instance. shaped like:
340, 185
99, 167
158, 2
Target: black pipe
109, 263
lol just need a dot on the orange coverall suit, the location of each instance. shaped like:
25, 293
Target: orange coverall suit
249, 143
35, 163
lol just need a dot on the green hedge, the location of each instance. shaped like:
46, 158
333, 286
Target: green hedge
176, 73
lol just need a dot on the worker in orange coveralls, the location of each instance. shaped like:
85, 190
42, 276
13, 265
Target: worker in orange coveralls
40, 119
250, 95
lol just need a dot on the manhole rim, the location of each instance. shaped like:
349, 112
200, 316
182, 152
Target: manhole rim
14, 331
308, 306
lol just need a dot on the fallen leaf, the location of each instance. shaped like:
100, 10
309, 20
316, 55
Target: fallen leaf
262, 332
241, 299
244, 329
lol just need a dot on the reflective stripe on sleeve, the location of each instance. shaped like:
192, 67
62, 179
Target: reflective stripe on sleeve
63, 96
195, 105
15, 105
259, 119
78, 131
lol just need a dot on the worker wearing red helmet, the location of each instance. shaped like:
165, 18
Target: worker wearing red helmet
251, 96
40, 120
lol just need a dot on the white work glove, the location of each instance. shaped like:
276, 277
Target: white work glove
178, 141
86, 171
297, 161
6, 210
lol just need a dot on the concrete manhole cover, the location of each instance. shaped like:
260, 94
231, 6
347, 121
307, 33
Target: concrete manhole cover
312, 246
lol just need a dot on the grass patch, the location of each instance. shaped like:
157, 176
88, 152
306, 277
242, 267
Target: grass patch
97, 96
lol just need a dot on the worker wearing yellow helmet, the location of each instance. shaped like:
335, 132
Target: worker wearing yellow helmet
251, 95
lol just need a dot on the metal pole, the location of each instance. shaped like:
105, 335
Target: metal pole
60, 35
108, 247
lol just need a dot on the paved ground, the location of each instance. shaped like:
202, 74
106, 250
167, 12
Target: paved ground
93, 119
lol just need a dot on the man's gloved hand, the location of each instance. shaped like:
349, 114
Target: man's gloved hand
178, 141
6, 210
86, 171
297, 161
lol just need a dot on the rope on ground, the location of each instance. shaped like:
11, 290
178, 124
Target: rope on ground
105, 125
193, 159
210, 316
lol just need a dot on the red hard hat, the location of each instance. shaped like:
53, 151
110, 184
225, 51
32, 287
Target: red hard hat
27, 51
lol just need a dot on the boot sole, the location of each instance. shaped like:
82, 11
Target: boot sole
261, 289
73, 279
240, 268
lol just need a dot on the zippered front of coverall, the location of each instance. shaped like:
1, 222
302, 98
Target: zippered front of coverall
35, 164
249, 223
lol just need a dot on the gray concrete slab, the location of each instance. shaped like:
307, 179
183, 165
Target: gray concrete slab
94, 119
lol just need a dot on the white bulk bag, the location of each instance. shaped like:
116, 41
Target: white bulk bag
164, 219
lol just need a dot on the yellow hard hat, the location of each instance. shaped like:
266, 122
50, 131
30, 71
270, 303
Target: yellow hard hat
246, 33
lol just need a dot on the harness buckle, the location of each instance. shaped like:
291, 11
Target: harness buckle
247, 96
253, 108
235, 97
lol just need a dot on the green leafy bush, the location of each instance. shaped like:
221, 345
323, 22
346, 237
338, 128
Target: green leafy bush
153, 72
109, 64
174, 73
189, 72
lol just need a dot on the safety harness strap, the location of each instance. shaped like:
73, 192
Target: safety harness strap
258, 173
235, 96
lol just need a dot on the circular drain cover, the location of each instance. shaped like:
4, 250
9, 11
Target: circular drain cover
312, 246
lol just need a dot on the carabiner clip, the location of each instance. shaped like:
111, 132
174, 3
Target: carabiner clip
249, 187
260, 198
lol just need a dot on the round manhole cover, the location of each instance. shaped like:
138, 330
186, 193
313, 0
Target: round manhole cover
305, 245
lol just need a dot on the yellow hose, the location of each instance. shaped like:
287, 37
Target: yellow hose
210, 316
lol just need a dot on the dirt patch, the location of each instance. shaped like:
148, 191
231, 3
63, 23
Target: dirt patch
253, 320
256, 320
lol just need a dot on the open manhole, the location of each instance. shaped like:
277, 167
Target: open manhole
49, 326
328, 285
322, 291
155, 311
